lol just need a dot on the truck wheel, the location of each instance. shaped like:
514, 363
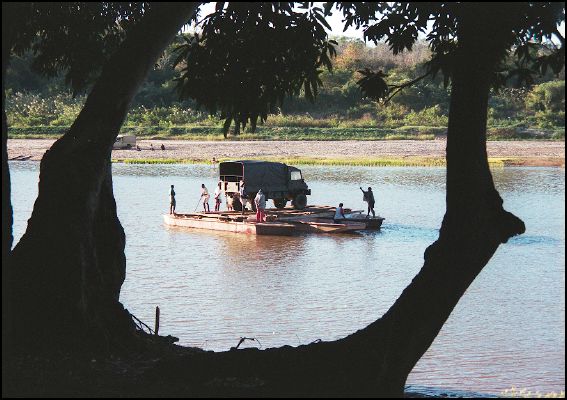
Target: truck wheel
236, 204
280, 203
299, 201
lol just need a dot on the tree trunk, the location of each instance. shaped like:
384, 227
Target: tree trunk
475, 223
68, 267
7, 216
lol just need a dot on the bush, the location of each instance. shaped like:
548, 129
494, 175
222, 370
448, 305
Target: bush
549, 96
392, 115
550, 119
29, 109
430, 116
305, 120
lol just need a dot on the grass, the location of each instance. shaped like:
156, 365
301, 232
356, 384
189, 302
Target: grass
159, 161
363, 162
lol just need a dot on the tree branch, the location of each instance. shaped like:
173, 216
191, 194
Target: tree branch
401, 87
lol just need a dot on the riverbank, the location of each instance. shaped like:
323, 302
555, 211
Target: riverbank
348, 152
80, 375
294, 129
86, 375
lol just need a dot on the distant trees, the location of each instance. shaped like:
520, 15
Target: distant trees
33, 100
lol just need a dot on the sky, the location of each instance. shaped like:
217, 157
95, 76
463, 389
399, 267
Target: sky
335, 21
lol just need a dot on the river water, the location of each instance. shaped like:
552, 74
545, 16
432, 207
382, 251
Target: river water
214, 287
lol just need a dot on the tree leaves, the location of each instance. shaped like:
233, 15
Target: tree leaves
373, 84
251, 56
76, 38
526, 28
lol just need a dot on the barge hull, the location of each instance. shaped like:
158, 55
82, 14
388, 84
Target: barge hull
250, 228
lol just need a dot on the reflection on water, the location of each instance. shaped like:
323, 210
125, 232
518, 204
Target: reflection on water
214, 287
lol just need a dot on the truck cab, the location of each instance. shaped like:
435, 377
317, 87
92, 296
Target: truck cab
278, 181
124, 142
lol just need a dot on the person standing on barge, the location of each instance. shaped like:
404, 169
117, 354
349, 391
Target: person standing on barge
172, 200
243, 195
205, 196
217, 196
260, 201
368, 196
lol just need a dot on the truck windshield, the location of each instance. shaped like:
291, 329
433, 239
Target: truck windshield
295, 175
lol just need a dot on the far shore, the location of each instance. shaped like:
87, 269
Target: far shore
349, 152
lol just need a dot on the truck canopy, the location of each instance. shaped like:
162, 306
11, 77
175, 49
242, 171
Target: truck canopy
263, 175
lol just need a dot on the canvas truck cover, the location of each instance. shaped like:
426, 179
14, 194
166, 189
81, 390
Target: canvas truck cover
265, 175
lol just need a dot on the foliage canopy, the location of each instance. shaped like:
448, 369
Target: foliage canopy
523, 27
249, 56
76, 38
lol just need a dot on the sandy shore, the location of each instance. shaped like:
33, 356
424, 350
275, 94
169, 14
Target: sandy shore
532, 153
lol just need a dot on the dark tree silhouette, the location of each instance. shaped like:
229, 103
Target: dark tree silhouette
65, 37
75, 271
66, 272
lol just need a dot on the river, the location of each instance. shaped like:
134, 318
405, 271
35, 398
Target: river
507, 331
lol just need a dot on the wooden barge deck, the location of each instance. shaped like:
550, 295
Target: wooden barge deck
287, 221
229, 225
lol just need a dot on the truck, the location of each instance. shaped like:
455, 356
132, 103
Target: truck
278, 181
124, 142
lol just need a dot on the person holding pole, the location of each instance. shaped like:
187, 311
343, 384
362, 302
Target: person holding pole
205, 196
172, 200
368, 196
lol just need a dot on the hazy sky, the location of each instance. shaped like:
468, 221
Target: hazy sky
336, 23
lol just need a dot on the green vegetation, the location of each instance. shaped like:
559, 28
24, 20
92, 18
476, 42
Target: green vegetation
42, 108
362, 162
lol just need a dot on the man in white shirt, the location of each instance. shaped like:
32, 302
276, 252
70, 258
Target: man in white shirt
243, 195
218, 199
260, 201
339, 213
205, 196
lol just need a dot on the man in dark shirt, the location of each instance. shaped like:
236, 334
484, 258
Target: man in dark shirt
368, 196
171, 200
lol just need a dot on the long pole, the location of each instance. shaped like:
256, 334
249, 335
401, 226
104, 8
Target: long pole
156, 327
198, 203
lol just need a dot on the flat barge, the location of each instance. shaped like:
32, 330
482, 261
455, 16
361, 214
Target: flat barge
229, 225
279, 222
